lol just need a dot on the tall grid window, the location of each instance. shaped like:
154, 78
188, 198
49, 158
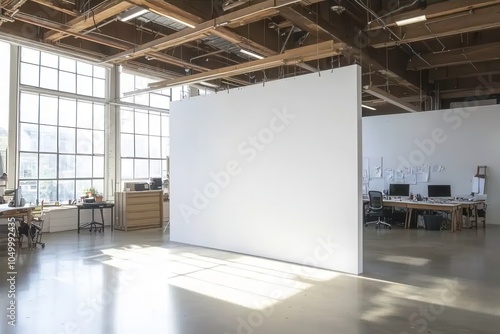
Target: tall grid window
4, 101
61, 139
144, 137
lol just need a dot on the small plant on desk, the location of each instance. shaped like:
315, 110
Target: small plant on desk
99, 197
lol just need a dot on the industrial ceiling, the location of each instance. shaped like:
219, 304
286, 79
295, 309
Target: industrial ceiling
415, 54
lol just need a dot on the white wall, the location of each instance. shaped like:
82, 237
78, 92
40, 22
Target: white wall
458, 139
272, 170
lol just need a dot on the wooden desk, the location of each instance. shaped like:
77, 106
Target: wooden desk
18, 212
471, 205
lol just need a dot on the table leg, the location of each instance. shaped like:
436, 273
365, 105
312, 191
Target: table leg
29, 218
408, 217
453, 221
102, 219
475, 215
112, 220
78, 220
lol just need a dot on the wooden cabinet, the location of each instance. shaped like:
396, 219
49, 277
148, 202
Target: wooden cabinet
138, 209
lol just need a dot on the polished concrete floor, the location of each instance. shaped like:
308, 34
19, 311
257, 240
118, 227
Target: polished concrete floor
139, 282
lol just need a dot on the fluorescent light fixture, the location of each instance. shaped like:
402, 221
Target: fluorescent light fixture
180, 21
132, 14
208, 84
368, 107
251, 54
412, 20
381, 94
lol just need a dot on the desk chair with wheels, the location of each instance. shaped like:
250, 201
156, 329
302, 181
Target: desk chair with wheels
376, 209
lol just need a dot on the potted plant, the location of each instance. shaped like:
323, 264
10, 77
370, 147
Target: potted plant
99, 197
90, 192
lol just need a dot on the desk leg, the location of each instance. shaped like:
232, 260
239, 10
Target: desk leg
475, 215
112, 219
102, 219
78, 220
29, 218
408, 217
453, 220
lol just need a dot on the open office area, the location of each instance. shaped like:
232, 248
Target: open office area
249, 166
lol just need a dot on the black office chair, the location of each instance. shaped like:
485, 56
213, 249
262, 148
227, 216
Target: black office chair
376, 209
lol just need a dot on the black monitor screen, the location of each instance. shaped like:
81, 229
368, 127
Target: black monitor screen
439, 191
399, 190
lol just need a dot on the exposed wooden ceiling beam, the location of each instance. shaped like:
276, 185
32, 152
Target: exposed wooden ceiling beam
458, 94
481, 19
202, 29
57, 6
91, 18
464, 71
434, 11
300, 17
467, 55
290, 57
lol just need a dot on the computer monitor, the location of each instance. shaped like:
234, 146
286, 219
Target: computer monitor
399, 190
439, 190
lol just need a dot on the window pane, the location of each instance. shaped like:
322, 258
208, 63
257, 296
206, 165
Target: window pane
48, 191
66, 64
67, 82
141, 146
28, 165
99, 88
141, 168
127, 169
98, 142
99, 72
49, 60
66, 140
155, 147
81, 185
84, 115
66, 166
154, 124
127, 120
29, 190
48, 78
126, 83
84, 68
84, 85
165, 126
98, 167
67, 112
66, 190
29, 108
98, 185
142, 99
155, 168
141, 122
159, 101
30, 55
48, 138
84, 141
29, 137
127, 145
83, 166
98, 116
165, 147
30, 74
48, 110
48, 166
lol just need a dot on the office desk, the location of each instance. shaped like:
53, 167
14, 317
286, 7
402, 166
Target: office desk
93, 206
18, 212
471, 205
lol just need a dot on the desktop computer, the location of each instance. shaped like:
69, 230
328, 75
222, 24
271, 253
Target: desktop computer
399, 190
439, 191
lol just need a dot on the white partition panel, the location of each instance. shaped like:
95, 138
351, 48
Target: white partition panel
272, 170
457, 139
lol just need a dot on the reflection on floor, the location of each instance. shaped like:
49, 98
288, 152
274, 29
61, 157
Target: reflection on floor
138, 282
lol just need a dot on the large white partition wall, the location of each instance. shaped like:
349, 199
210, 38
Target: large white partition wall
457, 139
272, 170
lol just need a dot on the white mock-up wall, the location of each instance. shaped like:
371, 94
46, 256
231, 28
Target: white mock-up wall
272, 170
457, 139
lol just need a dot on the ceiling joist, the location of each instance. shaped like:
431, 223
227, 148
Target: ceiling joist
481, 19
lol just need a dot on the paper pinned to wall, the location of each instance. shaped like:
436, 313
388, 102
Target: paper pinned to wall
411, 179
423, 173
478, 185
389, 173
375, 165
437, 168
